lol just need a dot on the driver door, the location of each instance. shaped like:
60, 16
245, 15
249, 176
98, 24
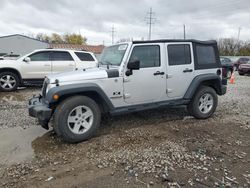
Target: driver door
148, 84
38, 67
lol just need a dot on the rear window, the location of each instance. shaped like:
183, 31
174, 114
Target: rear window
84, 56
206, 56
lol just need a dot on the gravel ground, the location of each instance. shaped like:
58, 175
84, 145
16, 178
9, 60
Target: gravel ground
156, 148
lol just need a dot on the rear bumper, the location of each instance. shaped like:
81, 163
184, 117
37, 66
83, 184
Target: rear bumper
223, 87
38, 109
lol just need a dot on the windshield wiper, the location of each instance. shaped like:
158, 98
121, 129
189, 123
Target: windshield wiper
105, 63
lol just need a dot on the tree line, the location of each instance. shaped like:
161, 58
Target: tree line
233, 47
227, 46
55, 38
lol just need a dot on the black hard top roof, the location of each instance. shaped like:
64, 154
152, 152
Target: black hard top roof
207, 42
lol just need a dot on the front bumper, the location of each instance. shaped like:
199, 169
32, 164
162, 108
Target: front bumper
38, 109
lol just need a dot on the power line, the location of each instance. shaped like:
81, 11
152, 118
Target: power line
151, 19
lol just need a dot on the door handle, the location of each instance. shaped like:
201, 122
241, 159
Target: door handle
47, 65
188, 70
71, 64
159, 73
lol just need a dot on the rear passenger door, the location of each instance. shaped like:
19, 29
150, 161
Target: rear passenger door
62, 61
180, 68
86, 60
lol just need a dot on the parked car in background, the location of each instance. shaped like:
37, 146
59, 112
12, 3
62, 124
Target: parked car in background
241, 60
227, 67
33, 67
244, 68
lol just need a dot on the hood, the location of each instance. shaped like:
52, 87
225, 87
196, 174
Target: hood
81, 75
7, 63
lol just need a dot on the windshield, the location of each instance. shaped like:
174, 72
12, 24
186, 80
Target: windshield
113, 55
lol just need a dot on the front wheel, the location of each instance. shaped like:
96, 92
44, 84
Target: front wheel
8, 81
77, 119
204, 103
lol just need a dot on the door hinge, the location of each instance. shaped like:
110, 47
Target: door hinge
169, 76
169, 90
127, 95
125, 79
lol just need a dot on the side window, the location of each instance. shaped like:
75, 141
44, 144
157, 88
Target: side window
61, 56
149, 56
205, 55
179, 54
84, 56
40, 56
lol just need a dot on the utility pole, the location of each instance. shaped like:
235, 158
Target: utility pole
113, 33
150, 21
238, 34
184, 31
238, 40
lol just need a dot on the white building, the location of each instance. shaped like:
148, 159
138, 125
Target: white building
20, 44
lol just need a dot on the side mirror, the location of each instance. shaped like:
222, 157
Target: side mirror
132, 65
26, 59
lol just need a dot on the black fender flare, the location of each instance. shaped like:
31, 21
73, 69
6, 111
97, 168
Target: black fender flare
74, 89
214, 80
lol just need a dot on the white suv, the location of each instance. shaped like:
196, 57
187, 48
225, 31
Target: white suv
131, 77
33, 67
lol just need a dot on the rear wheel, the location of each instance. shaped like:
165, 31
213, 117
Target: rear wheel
204, 103
241, 74
77, 119
8, 81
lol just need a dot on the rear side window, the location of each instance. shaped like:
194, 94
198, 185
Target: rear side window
84, 56
206, 56
149, 56
179, 54
61, 56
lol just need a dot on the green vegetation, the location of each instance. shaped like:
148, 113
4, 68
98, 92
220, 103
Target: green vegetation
233, 47
69, 38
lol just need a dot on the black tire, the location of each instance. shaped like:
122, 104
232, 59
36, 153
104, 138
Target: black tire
193, 106
7, 88
64, 110
241, 74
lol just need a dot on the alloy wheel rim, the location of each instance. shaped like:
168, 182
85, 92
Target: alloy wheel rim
80, 119
206, 103
7, 82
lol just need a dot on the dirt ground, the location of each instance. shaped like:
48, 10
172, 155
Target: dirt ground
156, 148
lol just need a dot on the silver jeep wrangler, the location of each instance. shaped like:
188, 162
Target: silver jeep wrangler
131, 77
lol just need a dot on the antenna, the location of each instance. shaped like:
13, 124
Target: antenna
151, 19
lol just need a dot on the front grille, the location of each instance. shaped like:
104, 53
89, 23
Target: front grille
45, 83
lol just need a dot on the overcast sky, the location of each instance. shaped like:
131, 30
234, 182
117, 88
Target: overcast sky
210, 19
